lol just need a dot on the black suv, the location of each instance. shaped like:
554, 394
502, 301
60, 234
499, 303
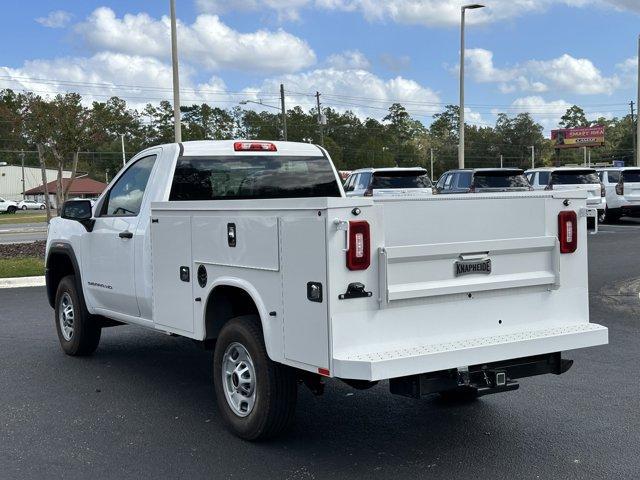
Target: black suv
478, 180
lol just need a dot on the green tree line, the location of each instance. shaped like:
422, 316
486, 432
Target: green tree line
66, 133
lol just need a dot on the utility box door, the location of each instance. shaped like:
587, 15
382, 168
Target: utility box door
306, 331
171, 252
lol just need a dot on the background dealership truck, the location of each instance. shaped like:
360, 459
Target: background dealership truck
253, 250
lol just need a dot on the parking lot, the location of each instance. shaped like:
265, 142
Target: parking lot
143, 407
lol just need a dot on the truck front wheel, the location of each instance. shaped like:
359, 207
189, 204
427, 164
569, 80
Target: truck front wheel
256, 396
77, 331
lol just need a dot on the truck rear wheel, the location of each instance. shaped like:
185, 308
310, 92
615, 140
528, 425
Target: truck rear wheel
78, 333
256, 396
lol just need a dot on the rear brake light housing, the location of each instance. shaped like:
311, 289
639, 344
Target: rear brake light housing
254, 147
620, 188
359, 250
603, 191
568, 231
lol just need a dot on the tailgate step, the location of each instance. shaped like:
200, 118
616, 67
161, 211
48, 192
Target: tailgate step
415, 359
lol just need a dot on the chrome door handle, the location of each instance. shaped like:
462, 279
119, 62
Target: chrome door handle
125, 234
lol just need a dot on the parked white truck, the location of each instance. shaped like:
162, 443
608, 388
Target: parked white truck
252, 249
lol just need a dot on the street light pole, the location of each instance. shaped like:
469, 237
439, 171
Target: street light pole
533, 156
124, 156
463, 9
176, 76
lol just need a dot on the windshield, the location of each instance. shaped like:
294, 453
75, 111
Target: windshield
401, 179
574, 177
630, 176
253, 177
500, 179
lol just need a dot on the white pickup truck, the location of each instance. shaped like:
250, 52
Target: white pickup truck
252, 249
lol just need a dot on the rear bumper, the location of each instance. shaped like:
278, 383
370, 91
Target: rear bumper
600, 204
416, 359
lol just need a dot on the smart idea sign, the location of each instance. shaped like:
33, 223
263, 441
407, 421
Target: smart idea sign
578, 137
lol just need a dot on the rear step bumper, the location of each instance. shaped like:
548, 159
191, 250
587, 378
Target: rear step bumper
483, 379
417, 359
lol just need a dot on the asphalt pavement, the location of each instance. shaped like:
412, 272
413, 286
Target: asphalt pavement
22, 232
143, 407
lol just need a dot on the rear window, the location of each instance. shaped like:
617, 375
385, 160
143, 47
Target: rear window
253, 177
402, 179
499, 179
574, 177
613, 177
631, 176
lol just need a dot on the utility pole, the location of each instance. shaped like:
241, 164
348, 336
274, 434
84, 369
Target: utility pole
533, 156
22, 161
500, 160
633, 132
320, 119
584, 161
589, 157
176, 77
638, 103
284, 113
431, 149
124, 156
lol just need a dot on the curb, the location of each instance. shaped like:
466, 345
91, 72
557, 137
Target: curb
22, 282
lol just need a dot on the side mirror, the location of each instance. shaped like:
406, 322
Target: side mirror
79, 210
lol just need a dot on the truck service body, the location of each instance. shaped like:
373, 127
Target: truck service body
455, 293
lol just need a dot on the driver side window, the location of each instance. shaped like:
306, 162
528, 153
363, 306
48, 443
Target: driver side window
125, 197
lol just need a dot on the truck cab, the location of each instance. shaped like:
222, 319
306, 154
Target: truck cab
252, 249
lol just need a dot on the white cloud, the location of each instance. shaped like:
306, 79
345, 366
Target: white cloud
208, 42
55, 19
373, 95
419, 12
565, 73
285, 9
578, 75
348, 60
547, 113
144, 79
137, 79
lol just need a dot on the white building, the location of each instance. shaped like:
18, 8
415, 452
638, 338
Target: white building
11, 179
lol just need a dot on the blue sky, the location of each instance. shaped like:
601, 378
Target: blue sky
522, 55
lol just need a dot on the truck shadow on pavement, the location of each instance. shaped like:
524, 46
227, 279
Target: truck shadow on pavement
161, 384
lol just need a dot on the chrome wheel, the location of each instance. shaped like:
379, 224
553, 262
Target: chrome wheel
239, 379
66, 316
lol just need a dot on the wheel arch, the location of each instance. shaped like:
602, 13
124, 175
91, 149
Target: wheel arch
61, 261
232, 297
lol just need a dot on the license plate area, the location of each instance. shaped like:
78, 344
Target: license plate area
471, 265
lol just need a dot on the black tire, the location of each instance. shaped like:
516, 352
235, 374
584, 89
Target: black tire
612, 216
459, 395
42, 207
276, 386
24, 207
11, 209
86, 331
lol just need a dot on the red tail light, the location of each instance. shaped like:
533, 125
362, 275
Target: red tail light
254, 147
568, 231
359, 252
620, 188
603, 191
